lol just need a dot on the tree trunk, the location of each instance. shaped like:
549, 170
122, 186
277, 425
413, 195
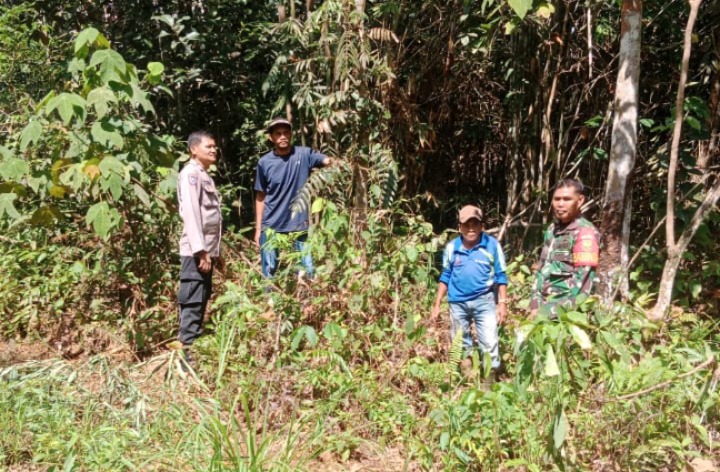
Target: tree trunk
624, 282
676, 252
710, 148
675, 249
622, 153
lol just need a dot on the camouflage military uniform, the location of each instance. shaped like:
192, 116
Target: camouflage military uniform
567, 264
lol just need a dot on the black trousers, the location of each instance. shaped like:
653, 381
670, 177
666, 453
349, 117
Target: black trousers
193, 296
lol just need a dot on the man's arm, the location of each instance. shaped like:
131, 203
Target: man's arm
586, 256
536, 294
189, 200
501, 282
443, 281
502, 303
441, 292
583, 279
536, 298
259, 210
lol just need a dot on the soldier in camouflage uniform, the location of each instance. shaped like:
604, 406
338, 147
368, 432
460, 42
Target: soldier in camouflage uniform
570, 253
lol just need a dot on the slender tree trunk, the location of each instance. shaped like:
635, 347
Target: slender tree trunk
360, 172
675, 249
675, 255
710, 148
622, 152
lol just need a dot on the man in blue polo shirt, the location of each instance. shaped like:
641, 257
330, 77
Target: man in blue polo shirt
473, 265
281, 173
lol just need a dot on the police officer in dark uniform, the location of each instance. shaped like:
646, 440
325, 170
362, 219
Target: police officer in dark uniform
199, 204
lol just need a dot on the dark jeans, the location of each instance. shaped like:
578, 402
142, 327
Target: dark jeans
193, 296
269, 255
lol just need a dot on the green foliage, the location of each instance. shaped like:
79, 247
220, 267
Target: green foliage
87, 156
423, 106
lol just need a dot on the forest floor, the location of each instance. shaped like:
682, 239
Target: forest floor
368, 457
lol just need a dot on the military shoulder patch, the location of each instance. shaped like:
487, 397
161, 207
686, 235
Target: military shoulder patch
586, 251
192, 178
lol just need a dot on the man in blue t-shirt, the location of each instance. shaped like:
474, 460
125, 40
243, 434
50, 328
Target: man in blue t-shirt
473, 266
281, 173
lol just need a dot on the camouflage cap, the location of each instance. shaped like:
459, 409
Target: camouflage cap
277, 122
469, 212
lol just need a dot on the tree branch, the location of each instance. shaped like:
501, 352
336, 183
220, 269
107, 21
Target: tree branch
707, 363
677, 130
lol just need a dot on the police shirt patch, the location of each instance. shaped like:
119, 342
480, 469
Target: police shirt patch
192, 178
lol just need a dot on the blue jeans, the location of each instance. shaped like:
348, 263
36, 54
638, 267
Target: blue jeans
269, 255
483, 313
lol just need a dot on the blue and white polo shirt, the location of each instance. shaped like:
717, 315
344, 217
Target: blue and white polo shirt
470, 273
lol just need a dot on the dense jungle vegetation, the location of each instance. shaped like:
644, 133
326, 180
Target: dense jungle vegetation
427, 105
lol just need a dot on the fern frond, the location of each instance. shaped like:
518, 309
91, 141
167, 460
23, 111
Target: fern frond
331, 357
324, 180
456, 352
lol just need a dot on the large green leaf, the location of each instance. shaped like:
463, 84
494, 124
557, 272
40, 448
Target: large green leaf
142, 194
106, 134
114, 184
155, 68
520, 7
551, 365
5, 153
560, 430
112, 65
581, 337
31, 134
102, 218
85, 38
110, 164
7, 207
68, 105
46, 215
113, 173
139, 97
100, 98
14, 169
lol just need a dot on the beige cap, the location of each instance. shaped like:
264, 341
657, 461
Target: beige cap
468, 212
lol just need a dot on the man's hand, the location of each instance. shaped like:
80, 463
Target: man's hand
435, 313
501, 312
256, 239
204, 261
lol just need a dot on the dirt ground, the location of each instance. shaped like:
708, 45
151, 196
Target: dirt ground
12, 352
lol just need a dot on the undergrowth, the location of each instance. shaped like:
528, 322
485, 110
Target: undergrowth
344, 369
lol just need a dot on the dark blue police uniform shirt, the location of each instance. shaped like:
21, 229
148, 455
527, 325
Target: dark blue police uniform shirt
281, 178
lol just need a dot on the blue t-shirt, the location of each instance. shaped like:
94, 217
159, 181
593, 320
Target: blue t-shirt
470, 273
281, 178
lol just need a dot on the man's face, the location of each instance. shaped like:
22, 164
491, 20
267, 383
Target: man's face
471, 231
566, 204
205, 152
281, 137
